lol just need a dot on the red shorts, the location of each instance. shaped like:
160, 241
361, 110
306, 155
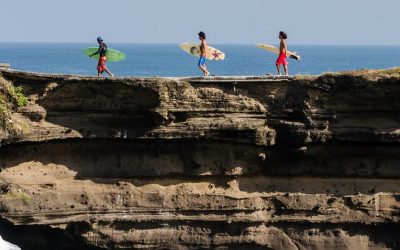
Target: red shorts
102, 64
282, 59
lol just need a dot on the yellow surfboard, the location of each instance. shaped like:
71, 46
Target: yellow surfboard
194, 49
275, 50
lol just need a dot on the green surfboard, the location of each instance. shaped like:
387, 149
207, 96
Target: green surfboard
112, 54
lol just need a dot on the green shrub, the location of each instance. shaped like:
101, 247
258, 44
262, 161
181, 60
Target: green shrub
3, 112
19, 96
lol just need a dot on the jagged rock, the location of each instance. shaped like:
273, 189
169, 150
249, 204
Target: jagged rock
34, 112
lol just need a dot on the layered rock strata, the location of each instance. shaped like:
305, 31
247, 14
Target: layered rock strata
192, 163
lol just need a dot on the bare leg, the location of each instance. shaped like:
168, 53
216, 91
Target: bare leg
108, 72
286, 70
98, 73
279, 69
204, 70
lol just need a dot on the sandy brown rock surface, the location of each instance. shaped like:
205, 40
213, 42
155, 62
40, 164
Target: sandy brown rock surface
194, 163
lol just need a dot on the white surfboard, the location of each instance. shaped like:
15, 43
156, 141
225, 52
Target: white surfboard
212, 53
276, 50
4, 245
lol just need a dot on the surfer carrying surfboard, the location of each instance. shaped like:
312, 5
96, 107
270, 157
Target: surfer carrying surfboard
102, 51
282, 54
203, 54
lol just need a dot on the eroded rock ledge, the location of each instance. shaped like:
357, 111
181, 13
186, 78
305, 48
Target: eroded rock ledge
223, 162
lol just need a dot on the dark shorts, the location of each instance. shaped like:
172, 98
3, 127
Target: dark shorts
202, 61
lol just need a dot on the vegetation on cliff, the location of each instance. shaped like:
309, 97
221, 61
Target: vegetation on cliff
11, 99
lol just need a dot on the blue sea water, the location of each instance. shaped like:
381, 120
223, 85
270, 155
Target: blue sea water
170, 60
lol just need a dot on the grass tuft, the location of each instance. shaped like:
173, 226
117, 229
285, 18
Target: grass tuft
19, 195
17, 93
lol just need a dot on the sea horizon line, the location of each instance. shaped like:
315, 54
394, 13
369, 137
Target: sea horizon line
217, 43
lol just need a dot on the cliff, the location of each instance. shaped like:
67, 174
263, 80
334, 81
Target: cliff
221, 162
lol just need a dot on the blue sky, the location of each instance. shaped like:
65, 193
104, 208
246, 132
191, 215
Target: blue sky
350, 22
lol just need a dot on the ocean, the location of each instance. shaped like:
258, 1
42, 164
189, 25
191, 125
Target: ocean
170, 60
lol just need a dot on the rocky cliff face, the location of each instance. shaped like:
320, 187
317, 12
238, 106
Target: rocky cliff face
237, 163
